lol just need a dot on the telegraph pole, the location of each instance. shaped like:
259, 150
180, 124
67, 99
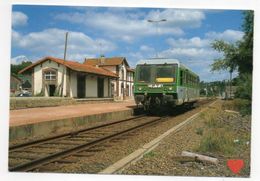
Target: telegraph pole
64, 60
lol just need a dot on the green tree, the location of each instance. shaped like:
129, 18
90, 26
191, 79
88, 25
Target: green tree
245, 57
16, 68
238, 56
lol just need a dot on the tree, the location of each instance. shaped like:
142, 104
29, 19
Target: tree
245, 57
16, 68
229, 60
238, 56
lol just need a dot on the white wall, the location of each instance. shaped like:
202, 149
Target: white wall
91, 86
38, 75
73, 84
37, 79
106, 87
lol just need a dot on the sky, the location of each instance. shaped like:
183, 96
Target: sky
186, 35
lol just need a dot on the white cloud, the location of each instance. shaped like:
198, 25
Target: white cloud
197, 53
227, 35
178, 18
127, 25
185, 43
196, 48
50, 42
19, 59
19, 19
188, 54
145, 48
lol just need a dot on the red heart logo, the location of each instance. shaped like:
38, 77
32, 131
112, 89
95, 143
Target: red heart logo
235, 165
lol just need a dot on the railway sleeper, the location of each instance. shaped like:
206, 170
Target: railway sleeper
26, 157
87, 154
94, 150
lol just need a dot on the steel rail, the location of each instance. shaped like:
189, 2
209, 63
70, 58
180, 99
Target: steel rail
58, 155
60, 136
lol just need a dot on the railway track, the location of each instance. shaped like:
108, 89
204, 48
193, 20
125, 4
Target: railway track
45, 154
33, 155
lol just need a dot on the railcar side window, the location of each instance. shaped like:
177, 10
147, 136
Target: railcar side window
181, 77
144, 73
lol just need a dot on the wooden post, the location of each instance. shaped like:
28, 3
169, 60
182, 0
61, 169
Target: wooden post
202, 158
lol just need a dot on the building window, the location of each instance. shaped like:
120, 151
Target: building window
122, 74
50, 75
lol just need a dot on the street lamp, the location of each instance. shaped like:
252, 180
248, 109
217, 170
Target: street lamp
156, 24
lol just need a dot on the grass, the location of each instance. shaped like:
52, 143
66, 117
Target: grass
150, 154
243, 106
211, 120
199, 131
218, 132
217, 141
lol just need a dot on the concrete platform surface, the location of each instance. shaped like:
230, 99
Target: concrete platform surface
44, 114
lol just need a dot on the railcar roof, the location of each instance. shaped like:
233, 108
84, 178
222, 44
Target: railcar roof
155, 61
158, 61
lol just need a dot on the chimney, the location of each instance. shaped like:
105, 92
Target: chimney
101, 60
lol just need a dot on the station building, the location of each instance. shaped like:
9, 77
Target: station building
53, 76
122, 88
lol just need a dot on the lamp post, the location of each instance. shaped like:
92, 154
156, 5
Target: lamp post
156, 24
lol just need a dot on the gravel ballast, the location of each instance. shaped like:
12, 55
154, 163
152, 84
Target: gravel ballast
162, 160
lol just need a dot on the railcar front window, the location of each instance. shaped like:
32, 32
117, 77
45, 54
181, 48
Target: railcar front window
144, 73
165, 73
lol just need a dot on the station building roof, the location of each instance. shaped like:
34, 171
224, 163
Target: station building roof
105, 61
73, 65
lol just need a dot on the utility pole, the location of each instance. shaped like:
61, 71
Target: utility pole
156, 25
100, 49
230, 84
64, 61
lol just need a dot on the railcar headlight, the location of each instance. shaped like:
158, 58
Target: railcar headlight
170, 88
139, 88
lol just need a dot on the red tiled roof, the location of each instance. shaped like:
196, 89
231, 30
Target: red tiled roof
130, 69
74, 66
107, 61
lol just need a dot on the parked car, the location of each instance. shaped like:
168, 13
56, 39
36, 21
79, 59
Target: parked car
24, 94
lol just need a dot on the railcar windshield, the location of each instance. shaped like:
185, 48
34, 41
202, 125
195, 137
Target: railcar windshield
165, 71
144, 73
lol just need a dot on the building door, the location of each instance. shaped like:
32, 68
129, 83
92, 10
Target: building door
112, 89
81, 86
52, 90
127, 90
100, 87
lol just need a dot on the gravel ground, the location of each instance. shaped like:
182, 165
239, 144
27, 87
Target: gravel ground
116, 149
162, 160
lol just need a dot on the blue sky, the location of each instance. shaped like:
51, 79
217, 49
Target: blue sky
39, 31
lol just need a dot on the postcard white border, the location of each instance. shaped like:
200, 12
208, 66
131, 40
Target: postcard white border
5, 49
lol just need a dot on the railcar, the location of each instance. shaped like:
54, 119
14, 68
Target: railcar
165, 82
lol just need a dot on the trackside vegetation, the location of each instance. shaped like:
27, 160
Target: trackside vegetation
238, 57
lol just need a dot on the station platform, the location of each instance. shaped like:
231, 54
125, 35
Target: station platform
45, 120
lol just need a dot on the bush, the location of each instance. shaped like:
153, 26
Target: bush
241, 105
244, 90
199, 131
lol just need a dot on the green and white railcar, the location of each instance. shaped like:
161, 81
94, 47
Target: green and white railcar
160, 82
